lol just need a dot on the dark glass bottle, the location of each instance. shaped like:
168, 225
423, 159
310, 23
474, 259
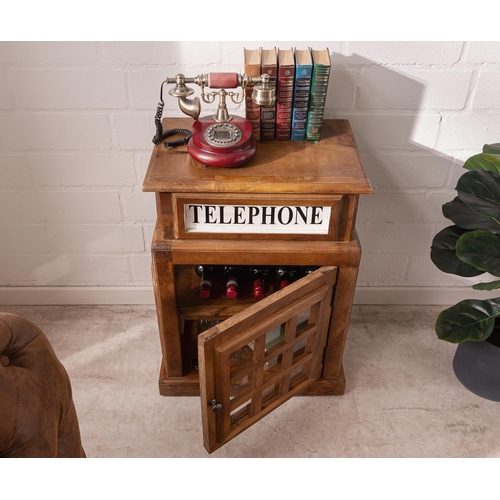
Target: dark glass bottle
207, 276
305, 270
259, 274
232, 275
284, 275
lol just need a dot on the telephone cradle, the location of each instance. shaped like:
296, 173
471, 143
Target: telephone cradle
220, 140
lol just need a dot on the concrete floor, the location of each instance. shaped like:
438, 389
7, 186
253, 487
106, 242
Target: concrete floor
402, 398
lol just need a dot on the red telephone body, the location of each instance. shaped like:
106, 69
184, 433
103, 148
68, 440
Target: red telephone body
226, 144
221, 140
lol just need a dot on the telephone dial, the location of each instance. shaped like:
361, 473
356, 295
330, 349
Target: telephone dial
220, 140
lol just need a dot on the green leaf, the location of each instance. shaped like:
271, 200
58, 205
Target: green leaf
463, 216
492, 148
480, 190
443, 253
480, 249
492, 285
468, 320
490, 162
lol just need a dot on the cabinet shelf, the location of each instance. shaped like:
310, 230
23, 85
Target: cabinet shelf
218, 307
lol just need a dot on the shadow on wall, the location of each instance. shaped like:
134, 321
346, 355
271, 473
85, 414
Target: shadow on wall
396, 127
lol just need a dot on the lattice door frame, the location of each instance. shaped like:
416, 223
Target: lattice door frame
244, 375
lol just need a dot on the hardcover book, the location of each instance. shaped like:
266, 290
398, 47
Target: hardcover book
302, 88
284, 102
269, 63
319, 88
252, 110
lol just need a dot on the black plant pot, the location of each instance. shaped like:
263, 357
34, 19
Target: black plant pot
477, 366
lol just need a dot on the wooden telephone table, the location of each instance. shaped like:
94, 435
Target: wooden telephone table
302, 197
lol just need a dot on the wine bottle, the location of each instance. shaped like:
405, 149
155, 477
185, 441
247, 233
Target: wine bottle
305, 270
207, 276
259, 274
232, 275
284, 275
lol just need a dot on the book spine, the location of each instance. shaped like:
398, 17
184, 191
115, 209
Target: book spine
268, 113
284, 103
317, 101
252, 114
301, 102
252, 110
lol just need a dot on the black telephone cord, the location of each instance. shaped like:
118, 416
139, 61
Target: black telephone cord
176, 142
159, 127
160, 135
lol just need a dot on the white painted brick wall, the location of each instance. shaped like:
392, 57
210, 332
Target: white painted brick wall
482, 52
76, 122
34, 131
411, 53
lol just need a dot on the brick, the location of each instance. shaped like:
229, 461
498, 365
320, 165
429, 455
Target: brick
382, 270
457, 170
145, 84
141, 268
148, 235
18, 270
165, 53
59, 88
91, 270
468, 131
23, 239
406, 170
385, 88
391, 207
423, 272
14, 172
483, 52
48, 52
95, 238
47, 131
139, 206
487, 95
11, 207
136, 130
342, 89
433, 210
60, 206
142, 163
82, 169
405, 52
376, 132
395, 238
5, 101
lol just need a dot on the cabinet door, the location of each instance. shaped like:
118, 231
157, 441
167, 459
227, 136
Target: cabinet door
256, 360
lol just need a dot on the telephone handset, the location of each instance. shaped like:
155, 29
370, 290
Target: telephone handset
221, 140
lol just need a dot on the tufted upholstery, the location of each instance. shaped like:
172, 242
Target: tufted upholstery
37, 414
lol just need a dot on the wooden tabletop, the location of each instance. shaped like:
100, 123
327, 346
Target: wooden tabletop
330, 166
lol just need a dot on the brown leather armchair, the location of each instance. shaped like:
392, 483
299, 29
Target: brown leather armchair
37, 413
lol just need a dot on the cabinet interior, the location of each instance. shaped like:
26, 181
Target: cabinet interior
197, 315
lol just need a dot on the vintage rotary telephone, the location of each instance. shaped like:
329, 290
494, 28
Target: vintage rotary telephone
221, 140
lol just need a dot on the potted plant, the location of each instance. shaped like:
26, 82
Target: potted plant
471, 247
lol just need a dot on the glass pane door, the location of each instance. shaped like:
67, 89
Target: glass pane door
259, 358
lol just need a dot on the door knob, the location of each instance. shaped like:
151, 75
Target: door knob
215, 406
